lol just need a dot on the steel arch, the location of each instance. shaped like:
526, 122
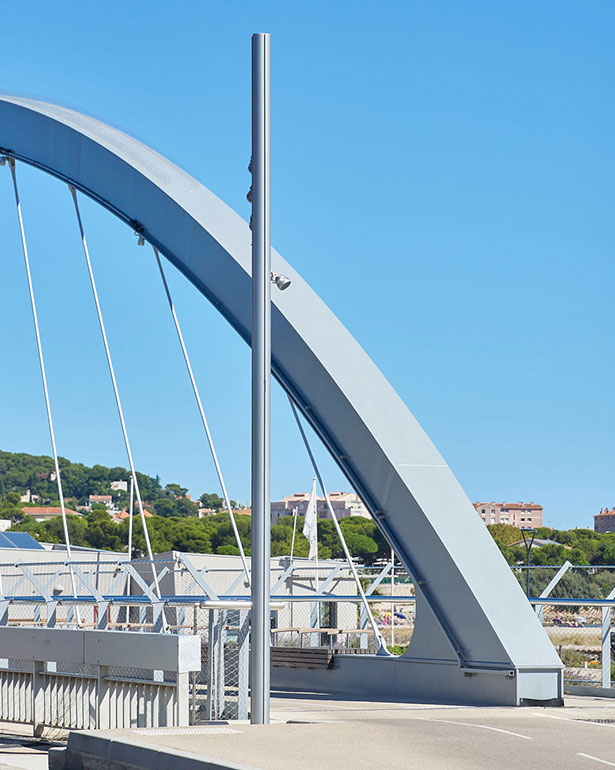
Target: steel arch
473, 617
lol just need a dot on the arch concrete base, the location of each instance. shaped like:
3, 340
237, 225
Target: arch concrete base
373, 677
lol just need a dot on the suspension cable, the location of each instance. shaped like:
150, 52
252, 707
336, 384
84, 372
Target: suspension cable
41, 362
382, 648
116, 391
199, 403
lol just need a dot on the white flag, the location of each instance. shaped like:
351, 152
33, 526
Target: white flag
310, 525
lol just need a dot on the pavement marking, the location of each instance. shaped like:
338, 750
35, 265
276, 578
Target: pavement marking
576, 721
482, 727
188, 731
596, 759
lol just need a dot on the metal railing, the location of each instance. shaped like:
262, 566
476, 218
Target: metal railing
574, 605
68, 678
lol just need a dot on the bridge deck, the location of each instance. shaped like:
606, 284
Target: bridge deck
312, 734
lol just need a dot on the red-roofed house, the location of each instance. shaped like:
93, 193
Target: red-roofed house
47, 512
119, 517
605, 520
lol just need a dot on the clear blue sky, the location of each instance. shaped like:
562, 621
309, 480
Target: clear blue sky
442, 176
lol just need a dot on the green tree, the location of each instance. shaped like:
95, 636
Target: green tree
210, 500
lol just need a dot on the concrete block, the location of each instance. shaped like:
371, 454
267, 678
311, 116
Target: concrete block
165, 652
88, 742
133, 754
189, 653
172, 759
56, 758
58, 644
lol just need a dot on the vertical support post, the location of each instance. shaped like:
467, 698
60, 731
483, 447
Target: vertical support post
221, 662
194, 674
212, 670
393, 594
103, 717
243, 665
38, 697
606, 647
182, 701
261, 378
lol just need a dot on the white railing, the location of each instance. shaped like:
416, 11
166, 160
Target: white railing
68, 678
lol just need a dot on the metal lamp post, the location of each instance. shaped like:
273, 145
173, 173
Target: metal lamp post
528, 549
261, 379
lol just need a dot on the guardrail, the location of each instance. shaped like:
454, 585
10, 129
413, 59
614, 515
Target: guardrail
69, 678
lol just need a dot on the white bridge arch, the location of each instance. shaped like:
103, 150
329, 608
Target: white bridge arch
477, 638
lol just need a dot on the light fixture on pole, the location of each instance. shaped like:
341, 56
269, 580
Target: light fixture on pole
281, 281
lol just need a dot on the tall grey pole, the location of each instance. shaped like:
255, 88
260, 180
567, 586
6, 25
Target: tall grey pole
261, 379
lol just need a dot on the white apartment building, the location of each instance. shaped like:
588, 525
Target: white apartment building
522, 515
343, 503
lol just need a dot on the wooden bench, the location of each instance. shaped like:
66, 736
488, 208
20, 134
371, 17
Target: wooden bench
302, 657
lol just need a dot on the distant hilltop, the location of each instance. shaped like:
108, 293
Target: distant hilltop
33, 478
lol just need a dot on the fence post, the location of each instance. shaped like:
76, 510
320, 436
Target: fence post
38, 697
606, 647
194, 674
243, 665
212, 650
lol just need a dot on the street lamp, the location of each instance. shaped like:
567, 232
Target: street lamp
528, 549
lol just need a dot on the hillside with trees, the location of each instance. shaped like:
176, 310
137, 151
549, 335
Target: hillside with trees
578, 546
176, 526
20, 472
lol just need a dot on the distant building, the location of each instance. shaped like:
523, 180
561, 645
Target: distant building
28, 497
343, 503
100, 500
118, 486
605, 520
118, 518
522, 515
203, 512
47, 512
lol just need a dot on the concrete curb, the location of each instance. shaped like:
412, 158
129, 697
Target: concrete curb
91, 751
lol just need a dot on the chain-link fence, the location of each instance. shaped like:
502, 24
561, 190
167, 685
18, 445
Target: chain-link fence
580, 624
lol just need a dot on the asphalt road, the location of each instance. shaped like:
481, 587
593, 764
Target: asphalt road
342, 735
